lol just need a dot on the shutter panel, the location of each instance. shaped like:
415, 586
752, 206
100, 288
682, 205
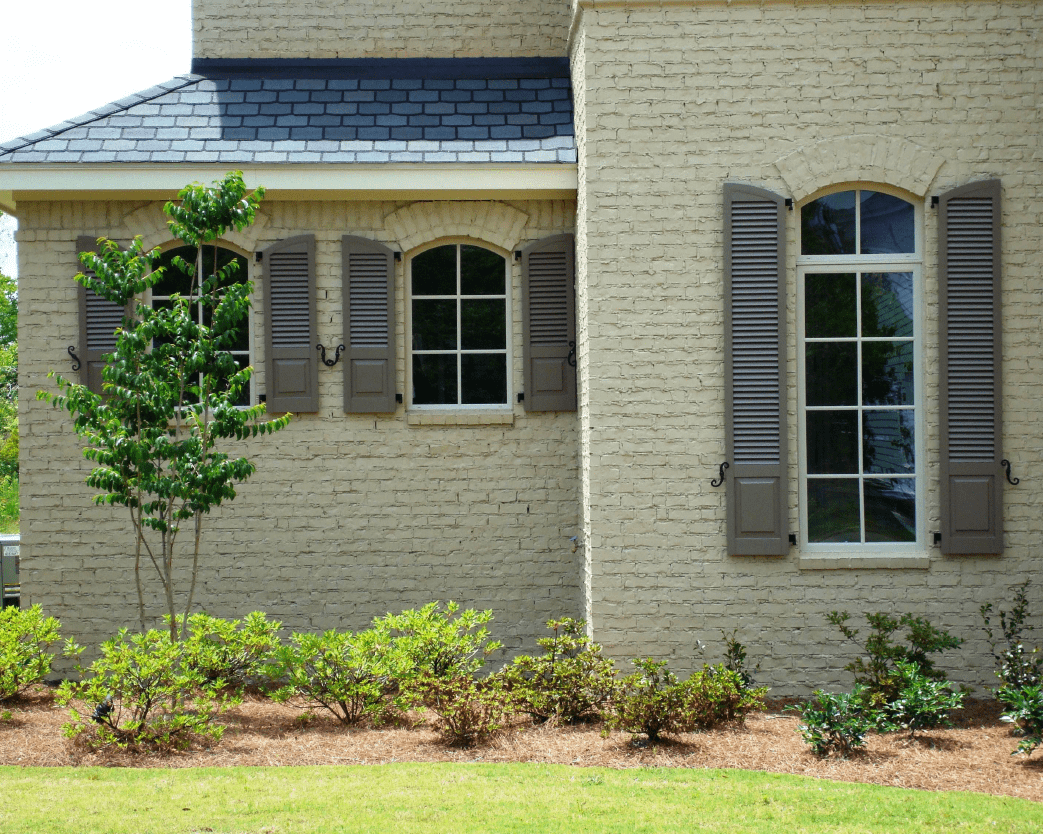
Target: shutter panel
291, 362
755, 371
549, 324
971, 381
369, 326
99, 320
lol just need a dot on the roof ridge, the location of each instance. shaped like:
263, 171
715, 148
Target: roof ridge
102, 112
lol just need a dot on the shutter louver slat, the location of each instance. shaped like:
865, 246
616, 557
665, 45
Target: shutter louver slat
754, 360
369, 326
549, 324
290, 325
970, 337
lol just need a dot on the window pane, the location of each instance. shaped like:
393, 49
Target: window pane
827, 225
829, 305
484, 378
483, 323
832, 441
434, 271
174, 280
887, 441
890, 509
831, 373
887, 224
434, 325
481, 272
434, 379
887, 304
887, 373
833, 510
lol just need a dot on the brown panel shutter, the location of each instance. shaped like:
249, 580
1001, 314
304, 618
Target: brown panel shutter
369, 326
549, 324
971, 381
99, 320
290, 332
755, 371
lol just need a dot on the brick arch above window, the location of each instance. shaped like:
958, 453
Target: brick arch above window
422, 222
151, 223
860, 158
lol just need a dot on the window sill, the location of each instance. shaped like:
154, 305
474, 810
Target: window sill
889, 561
460, 418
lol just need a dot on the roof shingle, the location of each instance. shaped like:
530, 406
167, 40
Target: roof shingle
270, 111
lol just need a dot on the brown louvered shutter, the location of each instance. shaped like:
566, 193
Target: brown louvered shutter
549, 324
755, 371
369, 326
290, 332
971, 381
99, 320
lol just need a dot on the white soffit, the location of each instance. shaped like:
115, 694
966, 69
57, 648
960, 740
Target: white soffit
291, 182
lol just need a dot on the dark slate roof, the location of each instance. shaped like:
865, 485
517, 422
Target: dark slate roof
327, 111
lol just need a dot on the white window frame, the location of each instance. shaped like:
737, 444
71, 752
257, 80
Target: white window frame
508, 350
912, 263
251, 350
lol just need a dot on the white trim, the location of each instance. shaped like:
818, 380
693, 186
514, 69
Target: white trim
291, 181
830, 555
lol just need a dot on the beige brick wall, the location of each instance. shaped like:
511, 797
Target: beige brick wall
347, 516
675, 99
378, 29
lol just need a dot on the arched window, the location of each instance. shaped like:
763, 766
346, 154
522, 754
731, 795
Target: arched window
459, 327
859, 358
176, 281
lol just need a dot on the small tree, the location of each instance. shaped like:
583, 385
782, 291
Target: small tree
170, 389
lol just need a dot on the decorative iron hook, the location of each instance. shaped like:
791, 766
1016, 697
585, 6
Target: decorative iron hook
1010, 480
336, 357
716, 482
77, 364
571, 358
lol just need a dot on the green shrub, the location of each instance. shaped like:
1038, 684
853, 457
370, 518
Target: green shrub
922, 703
353, 676
1025, 710
571, 681
878, 673
438, 642
9, 510
1017, 668
836, 722
468, 711
25, 639
231, 654
142, 692
717, 694
735, 659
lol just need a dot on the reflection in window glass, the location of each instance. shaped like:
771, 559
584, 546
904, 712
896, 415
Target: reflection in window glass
459, 326
827, 225
886, 224
858, 222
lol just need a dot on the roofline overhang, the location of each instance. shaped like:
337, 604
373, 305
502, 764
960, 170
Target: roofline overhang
31, 182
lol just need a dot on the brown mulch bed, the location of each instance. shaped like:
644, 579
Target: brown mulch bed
973, 756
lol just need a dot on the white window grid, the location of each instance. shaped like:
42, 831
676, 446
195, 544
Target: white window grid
459, 351
860, 264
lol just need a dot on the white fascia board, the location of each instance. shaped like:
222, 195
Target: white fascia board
292, 182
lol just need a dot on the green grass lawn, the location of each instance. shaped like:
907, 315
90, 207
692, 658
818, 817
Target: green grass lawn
448, 798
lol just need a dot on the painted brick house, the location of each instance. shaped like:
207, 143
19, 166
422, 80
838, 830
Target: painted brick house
580, 255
